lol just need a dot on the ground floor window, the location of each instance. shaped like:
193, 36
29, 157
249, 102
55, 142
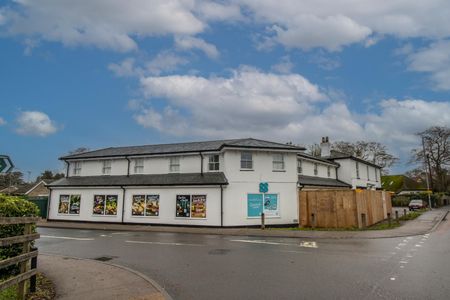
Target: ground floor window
262, 203
191, 206
105, 205
69, 204
145, 205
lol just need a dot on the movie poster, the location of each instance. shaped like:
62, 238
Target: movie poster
63, 204
152, 205
198, 206
99, 205
183, 206
138, 205
75, 201
111, 205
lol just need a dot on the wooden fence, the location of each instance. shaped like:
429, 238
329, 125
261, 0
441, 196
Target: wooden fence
27, 268
343, 208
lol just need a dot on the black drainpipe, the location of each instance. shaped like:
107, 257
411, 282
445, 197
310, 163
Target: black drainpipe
123, 202
67, 168
201, 163
221, 205
128, 168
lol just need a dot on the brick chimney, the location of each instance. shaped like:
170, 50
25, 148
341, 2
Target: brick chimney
325, 147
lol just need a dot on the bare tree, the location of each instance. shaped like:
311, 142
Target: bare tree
315, 150
436, 153
374, 152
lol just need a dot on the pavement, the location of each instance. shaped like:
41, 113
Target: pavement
423, 224
76, 278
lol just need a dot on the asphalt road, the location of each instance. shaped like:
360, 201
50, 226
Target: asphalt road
192, 266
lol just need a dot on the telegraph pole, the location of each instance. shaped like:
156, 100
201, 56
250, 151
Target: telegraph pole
427, 166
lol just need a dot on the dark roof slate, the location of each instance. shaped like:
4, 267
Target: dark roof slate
318, 181
182, 148
216, 178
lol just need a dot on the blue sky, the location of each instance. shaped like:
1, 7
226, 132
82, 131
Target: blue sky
108, 73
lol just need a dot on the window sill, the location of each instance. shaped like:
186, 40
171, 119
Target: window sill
278, 170
247, 170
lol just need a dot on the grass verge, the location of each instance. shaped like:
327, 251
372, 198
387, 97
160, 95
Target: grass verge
44, 290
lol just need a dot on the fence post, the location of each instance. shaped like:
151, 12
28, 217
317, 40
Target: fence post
263, 221
313, 220
363, 220
33, 278
389, 218
21, 287
404, 211
396, 217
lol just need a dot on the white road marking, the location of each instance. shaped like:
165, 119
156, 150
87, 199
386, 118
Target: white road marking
417, 245
401, 267
308, 244
392, 278
302, 244
124, 233
403, 262
409, 255
162, 243
398, 248
66, 238
401, 244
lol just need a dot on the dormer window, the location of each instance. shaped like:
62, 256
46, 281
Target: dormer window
246, 160
368, 174
316, 169
106, 169
357, 170
77, 168
213, 163
174, 164
278, 162
139, 165
299, 166
329, 171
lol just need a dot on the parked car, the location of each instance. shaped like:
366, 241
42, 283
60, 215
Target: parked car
417, 204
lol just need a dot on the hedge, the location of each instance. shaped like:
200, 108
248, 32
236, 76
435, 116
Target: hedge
11, 206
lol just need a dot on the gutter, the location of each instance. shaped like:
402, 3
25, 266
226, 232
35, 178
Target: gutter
67, 168
128, 168
123, 202
221, 205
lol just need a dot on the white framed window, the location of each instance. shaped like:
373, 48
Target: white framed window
77, 168
174, 164
376, 175
299, 166
106, 169
329, 171
213, 162
368, 174
357, 170
138, 165
278, 162
316, 169
246, 160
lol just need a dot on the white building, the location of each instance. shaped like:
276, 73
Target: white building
214, 183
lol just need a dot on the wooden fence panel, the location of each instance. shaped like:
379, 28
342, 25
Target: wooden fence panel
343, 208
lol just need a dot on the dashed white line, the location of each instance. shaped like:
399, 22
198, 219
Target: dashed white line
66, 238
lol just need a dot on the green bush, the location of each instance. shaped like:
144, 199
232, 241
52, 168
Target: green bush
11, 206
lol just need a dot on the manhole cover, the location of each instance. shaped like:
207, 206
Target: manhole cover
219, 251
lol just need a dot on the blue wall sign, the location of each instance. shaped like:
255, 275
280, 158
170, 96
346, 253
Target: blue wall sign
254, 205
263, 187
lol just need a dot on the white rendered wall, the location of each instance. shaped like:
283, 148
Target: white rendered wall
308, 169
347, 173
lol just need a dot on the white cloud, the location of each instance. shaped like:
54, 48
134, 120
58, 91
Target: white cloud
35, 123
165, 61
435, 60
2, 121
284, 66
125, 68
334, 24
278, 107
189, 42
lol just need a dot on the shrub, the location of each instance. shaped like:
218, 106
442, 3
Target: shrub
11, 206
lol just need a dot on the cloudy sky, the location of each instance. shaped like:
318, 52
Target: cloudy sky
103, 73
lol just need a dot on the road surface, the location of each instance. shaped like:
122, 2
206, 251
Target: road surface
191, 266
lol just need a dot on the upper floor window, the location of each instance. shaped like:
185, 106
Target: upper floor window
376, 175
368, 174
329, 171
138, 165
77, 168
278, 162
299, 166
246, 160
213, 163
357, 170
174, 164
316, 169
106, 169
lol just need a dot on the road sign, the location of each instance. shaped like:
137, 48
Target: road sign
6, 164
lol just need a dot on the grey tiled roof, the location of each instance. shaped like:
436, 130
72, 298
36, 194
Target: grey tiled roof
216, 178
318, 181
182, 148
